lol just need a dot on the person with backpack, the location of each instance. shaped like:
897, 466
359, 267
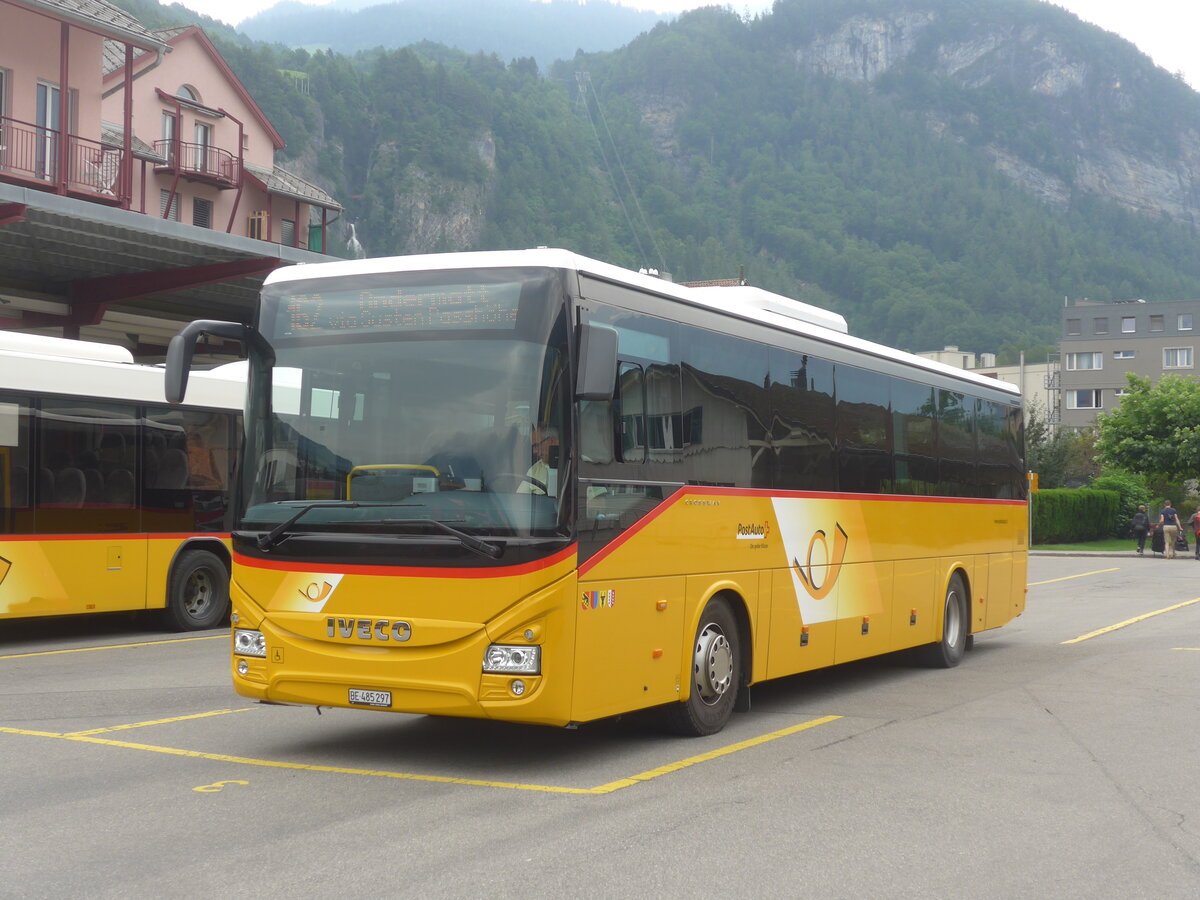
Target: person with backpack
1140, 526
1169, 519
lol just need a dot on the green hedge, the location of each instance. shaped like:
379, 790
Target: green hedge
1066, 515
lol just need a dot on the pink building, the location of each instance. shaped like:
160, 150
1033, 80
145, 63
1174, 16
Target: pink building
153, 124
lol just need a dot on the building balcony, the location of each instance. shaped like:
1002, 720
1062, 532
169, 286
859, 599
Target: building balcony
30, 157
198, 162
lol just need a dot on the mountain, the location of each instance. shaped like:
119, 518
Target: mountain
545, 31
938, 171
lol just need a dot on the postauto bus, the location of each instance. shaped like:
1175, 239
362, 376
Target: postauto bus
535, 487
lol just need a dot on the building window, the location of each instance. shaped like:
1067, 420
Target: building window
1128, 324
1177, 358
1089, 399
1100, 325
1120, 392
186, 92
203, 134
202, 212
1078, 362
1184, 322
164, 197
287, 233
1157, 324
1073, 326
1122, 354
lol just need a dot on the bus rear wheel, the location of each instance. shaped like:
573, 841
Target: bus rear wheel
948, 652
197, 592
716, 674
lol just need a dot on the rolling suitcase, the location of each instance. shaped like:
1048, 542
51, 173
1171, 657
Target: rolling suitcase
1157, 544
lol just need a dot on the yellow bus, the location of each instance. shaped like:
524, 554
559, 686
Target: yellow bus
111, 499
534, 487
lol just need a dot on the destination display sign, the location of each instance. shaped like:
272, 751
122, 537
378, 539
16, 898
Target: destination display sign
443, 307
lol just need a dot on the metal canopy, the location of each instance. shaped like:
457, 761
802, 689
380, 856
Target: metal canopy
72, 268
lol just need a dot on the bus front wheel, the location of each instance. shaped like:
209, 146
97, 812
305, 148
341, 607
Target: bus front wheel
948, 652
715, 674
197, 592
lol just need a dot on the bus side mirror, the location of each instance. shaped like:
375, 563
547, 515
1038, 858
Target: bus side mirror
183, 347
597, 374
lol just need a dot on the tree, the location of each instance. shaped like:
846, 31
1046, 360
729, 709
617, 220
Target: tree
1155, 431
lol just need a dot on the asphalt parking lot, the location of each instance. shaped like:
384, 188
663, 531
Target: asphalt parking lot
1060, 758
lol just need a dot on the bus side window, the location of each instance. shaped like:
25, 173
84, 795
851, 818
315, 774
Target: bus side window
630, 420
14, 466
596, 431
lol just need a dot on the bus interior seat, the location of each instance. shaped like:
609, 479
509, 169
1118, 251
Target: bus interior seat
172, 470
70, 487
94, 482
119, 491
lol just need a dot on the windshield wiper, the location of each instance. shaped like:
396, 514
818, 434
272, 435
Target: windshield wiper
273, 537
483, 548
279, 532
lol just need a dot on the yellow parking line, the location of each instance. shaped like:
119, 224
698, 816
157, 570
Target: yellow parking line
210, 637
711, 754
87, 738
1185, 648
1135, 619
205, 715
1069, 577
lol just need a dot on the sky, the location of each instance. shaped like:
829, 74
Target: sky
1165, 30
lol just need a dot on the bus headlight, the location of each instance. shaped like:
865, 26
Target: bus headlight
249, 643
513, 659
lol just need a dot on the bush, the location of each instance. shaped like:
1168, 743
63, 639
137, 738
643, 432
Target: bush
1065, 515
1133, 491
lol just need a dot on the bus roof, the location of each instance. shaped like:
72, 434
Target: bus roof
742, 301
56, 366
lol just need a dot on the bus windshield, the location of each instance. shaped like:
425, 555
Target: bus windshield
405, 407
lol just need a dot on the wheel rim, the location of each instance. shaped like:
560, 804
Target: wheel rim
954, 619
198, 592
712, 664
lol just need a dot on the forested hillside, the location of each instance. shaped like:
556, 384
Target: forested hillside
939, 171
545, 31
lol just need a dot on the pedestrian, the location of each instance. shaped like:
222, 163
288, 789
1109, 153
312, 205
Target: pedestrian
1140, 526
1169, 519
1194, 521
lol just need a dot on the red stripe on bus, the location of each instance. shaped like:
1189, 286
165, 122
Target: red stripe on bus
408, 571
705, 491
116, 536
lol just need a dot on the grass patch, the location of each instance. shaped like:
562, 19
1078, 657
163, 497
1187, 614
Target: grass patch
1108, 545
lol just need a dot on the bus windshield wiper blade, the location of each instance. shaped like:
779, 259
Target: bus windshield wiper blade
273, 537
279, 532
483, 548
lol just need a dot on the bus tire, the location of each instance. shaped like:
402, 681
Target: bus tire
948, 652
197, 592
716, 674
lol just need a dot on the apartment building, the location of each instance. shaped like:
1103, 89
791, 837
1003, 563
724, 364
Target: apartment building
138, 184
1102, 342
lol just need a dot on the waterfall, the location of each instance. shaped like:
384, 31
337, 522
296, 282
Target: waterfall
356, 248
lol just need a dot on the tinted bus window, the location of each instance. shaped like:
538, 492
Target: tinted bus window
992, 446
189, 457
802, 422
956, 445
913, 432
87, 452
15, 484
864, 431
725, 393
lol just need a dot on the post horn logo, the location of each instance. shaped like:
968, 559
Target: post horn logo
834, 569
317, 592
5, 565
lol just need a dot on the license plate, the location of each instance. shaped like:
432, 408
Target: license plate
370, 698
